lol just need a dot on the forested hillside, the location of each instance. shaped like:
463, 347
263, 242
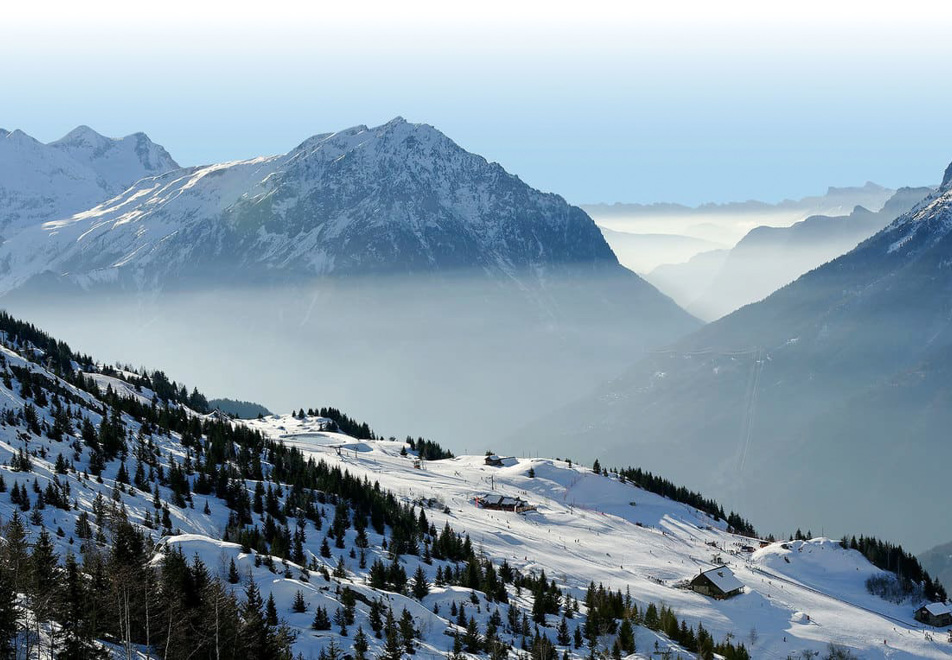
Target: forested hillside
135, 522
138, 524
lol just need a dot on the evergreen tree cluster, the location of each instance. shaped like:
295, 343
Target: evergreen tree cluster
239, 409
611, 613
344, 424
893, 558
428, 450
661, 486
112, 591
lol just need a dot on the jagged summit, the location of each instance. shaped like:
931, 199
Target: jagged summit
396, 130
947, 177
111, 157
41, 182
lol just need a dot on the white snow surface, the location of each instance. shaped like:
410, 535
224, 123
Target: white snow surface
798, 595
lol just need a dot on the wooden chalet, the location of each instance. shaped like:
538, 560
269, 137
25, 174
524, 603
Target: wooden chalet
717, 583
503, 503
938, 615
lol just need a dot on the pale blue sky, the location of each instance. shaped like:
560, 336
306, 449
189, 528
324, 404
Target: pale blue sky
690, 103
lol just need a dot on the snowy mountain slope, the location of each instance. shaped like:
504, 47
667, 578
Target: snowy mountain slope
190, 490
590, 527
841, 377
89, 490
41, 182
396, 198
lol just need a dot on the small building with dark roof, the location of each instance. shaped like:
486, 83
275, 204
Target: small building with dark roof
503, 503
717, 583
493, 460
938, 615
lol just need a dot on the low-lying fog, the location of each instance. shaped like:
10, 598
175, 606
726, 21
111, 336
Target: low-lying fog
461, 362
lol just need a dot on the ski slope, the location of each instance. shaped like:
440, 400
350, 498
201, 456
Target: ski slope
588, 527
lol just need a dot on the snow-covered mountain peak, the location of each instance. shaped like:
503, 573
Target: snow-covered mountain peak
42, 182
17, 136
109, 157
396, 197
82, 134
397, 131
947, 177
924, 225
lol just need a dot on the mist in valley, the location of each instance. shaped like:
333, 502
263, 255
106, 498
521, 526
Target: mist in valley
462, 359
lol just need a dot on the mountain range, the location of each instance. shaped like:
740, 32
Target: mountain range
727, 223
836, 381
399, 198
714, 283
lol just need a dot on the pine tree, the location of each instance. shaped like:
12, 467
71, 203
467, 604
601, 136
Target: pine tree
626, 637
471, 638
376, 623
9, 612
392, 649
299, 605
360, 644
340, 618
457, 653
15, 553
122, 476
254, 635
73, 615
332, 652
421, 588
233, 576
407, 632
44, 577
271, 612
321, 620
562, 633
